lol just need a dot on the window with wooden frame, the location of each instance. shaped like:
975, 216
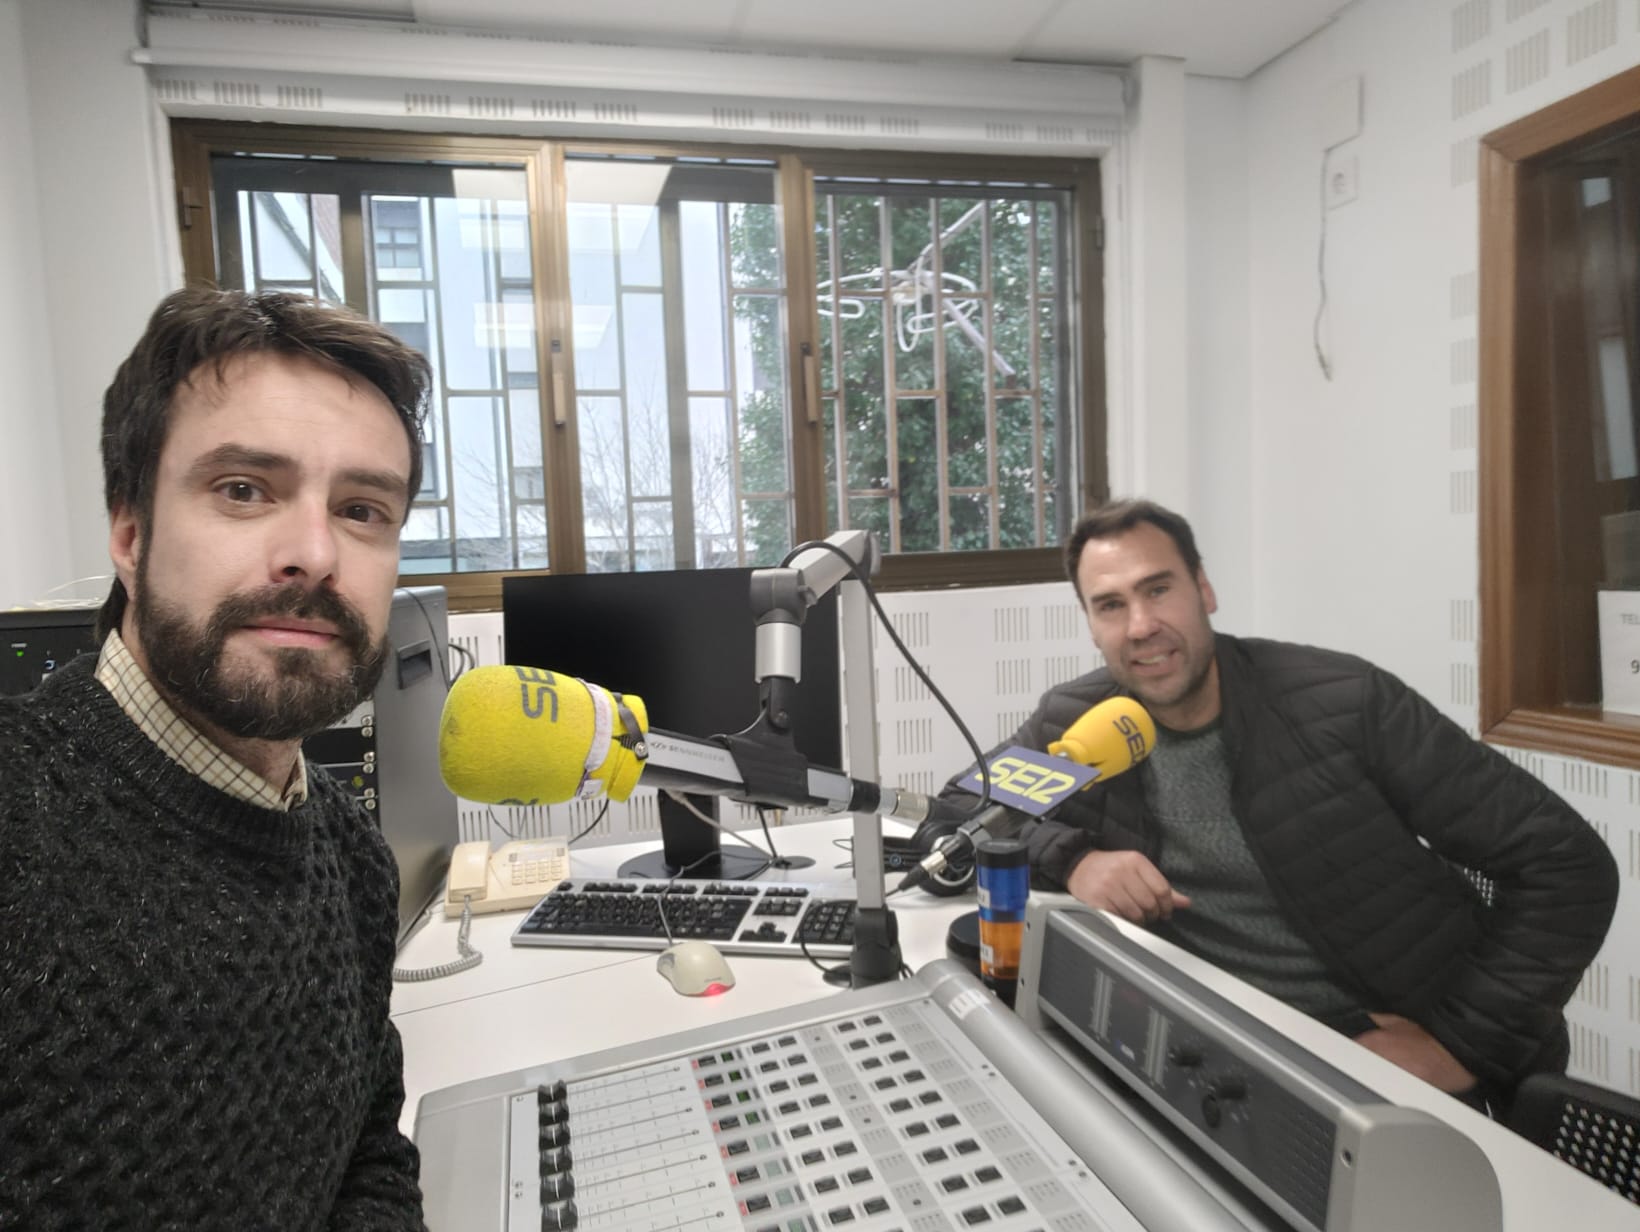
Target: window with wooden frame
1559, 430
657, 356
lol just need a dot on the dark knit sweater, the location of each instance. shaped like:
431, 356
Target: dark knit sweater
193, 991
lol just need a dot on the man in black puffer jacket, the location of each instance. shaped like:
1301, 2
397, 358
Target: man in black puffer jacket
1312, 825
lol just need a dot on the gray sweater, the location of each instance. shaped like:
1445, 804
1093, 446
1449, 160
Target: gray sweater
193, 991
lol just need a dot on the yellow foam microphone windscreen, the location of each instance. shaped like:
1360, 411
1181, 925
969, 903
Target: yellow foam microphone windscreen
526, 735
1113, 736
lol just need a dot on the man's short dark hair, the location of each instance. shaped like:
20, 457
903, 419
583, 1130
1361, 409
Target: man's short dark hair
199, 326
1118, 516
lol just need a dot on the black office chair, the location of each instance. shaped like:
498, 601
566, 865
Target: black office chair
1595, 1130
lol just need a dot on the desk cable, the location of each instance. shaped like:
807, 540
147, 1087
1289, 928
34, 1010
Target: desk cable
469, 957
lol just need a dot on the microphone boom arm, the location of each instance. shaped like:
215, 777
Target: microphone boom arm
781, 599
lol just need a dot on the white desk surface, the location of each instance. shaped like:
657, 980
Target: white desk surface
525, 1006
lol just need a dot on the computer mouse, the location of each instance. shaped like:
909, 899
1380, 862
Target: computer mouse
695, 969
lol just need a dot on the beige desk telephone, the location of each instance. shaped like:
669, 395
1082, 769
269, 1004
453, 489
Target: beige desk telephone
515, 875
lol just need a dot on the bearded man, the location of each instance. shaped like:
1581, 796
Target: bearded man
196, 937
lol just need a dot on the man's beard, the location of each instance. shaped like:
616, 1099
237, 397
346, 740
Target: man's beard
302, 694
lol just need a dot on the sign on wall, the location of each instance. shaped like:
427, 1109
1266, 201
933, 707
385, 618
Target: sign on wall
1620, 650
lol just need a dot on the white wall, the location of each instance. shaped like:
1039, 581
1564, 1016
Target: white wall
1213, 348
1362, 489
30, 562
88, 192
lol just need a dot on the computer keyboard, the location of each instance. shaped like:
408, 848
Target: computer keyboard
739, 917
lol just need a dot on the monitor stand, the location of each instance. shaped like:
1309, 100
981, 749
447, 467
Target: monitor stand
691, 848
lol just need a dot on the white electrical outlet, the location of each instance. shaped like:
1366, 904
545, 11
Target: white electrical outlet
1343, 180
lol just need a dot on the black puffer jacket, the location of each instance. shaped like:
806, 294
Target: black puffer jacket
1350, 788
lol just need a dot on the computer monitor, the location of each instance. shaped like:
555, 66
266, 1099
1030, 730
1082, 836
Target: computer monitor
383, 752
684, 641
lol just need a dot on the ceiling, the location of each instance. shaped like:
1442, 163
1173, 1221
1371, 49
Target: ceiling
1223, 38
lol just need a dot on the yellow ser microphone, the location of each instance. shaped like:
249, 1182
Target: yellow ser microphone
1112, 737
526, 735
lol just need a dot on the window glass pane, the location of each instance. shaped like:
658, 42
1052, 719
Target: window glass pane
831, 451
283, 238
962, 244
659, 334
532, 537
275, 240
703, 291
970, 522
828, 353
592, 293
915, 291
467, 278
1047, 246
603, 483
823, 233
768, 531
760, 380
512, 241
652, 544
870, 513
973, 314
865, 430
476, 462
518, 321
711, 438
1012, 337
1048, 362
639, 229
917, 447
397, 227
647, 401
858, 223
967, 435
422, 545
756, 230
1617, 407
1016, 473
1589, 356
524, 417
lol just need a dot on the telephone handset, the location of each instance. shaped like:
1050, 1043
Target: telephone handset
515, 875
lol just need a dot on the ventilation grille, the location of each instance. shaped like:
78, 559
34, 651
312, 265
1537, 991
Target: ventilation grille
1471, 22
1463, 490
301, 98
427, 104
1472, 89
1591, 30
1526, 63
1464, 423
